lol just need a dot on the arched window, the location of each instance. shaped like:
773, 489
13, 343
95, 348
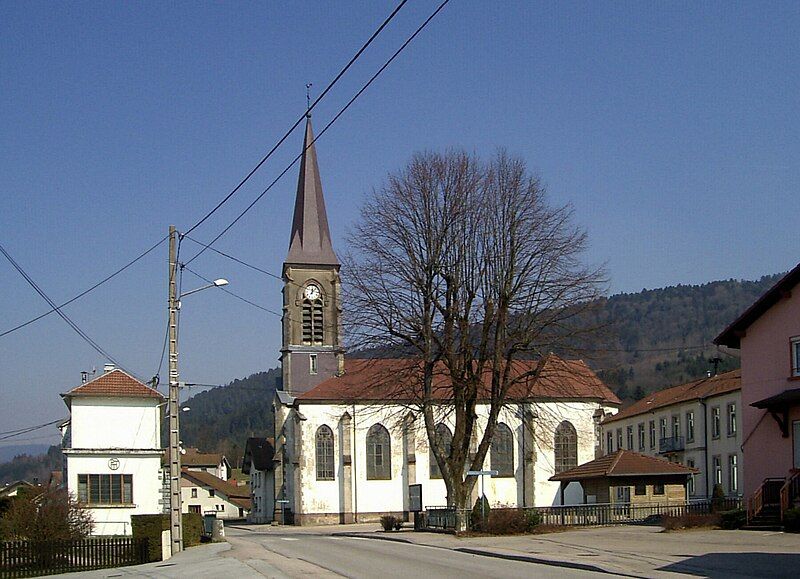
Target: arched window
379, 455
324, 453
445, 439
502, 456
566, 447
312, 322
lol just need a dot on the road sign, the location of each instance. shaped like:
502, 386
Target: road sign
482, 472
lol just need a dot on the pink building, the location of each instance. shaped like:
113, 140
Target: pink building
768, 335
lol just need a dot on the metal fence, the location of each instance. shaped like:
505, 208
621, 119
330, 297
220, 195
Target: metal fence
597, 514
629, 513
444, 518
33, 558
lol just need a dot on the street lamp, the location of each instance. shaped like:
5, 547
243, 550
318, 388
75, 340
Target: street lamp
175, 518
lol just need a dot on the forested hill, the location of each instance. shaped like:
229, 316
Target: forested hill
652, 343
221, 419
654, 334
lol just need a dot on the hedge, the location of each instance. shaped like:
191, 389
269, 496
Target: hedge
151, 527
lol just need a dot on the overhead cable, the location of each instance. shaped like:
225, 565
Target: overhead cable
300, 119
86, 291
324, 130
57, 309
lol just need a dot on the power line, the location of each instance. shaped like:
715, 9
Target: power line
300, 119
324, 130
83, 293
57, 309
236, 259
26, 430
30, 428
227, 291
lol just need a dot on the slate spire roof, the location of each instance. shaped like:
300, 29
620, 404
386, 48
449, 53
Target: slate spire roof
310, 241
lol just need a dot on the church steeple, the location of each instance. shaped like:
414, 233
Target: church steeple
310, 240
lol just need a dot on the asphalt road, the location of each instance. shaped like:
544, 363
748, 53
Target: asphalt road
292, 554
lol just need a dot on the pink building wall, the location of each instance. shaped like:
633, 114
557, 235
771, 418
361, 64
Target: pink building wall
766, 371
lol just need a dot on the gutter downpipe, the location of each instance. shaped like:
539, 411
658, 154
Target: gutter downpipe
355, 471
705, 445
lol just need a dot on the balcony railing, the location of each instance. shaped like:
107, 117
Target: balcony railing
671, 444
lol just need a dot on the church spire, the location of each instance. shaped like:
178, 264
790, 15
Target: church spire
310, 241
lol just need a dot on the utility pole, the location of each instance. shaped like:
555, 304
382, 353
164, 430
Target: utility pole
175, 519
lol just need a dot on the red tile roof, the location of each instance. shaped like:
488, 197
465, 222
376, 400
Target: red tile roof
115, 383
392, 379
624, 463
193, 457
697, 390
238, 495
731, 336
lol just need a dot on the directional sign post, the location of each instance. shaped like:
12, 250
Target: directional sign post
482, 473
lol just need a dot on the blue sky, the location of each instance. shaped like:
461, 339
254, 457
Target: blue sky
672, 128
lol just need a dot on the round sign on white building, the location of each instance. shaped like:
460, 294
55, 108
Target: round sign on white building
113, 463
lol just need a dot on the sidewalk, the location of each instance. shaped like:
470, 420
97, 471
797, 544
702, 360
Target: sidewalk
639, 551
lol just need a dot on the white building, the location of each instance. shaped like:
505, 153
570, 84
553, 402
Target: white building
350, 452
112, 449
204, 493
347, 447
258, 464
696, 424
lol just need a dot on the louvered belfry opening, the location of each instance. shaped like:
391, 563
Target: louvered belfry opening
312, 323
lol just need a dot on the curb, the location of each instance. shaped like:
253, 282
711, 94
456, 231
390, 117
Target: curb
496, 555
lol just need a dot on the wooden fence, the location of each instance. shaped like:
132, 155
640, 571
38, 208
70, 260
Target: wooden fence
33, 558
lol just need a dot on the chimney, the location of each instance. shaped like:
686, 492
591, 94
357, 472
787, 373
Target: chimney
108, 368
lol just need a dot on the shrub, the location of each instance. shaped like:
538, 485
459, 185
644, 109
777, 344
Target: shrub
192, 529
150, 527
735, 519
507, 522
534, 519
476, 518
673, 523
389, 522
791, 520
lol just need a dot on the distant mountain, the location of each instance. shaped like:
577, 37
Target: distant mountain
31, 468
653, 336
9, 452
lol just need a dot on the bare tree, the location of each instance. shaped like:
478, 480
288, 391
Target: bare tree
464, 265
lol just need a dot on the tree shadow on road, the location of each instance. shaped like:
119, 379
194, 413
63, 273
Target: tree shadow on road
738, 564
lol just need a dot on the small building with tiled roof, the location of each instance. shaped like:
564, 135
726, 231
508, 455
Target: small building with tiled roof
112, 449
697, 424
204, 493
213, 462
630, 478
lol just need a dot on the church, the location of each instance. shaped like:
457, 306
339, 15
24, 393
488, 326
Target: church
348, 444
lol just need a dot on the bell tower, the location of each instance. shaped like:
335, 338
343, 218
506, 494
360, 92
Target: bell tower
311, 350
